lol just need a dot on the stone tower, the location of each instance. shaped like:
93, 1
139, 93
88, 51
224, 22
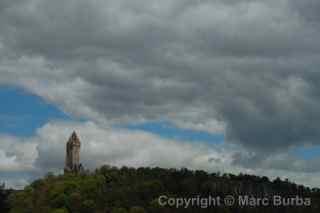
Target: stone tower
72, 163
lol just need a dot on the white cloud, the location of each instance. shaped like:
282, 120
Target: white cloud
106, 145
45, 152
16, 154
15, 183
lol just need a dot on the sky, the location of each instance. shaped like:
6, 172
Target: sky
219, 85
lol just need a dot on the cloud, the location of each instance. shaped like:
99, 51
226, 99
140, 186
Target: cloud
45, 152
280, 161
307, 10
120, 147
15, 182
16, 154
245, 68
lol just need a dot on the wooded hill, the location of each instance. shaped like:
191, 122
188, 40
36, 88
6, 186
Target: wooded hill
130, 190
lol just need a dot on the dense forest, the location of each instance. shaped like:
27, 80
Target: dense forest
130, 190
4, 202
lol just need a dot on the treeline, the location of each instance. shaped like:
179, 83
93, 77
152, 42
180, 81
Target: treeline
4, 202
130, 190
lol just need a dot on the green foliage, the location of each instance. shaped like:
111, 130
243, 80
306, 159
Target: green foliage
74, 202
129, 190
59, 201
88, 206
137, 209
4, 194
59, 211
119, 210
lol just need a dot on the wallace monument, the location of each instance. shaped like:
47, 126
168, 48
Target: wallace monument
72, 162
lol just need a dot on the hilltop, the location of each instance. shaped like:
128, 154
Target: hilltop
131, 190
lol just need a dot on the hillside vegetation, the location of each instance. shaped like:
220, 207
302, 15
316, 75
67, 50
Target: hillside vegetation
129, 190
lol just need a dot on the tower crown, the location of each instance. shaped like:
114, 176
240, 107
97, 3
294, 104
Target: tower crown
74, 139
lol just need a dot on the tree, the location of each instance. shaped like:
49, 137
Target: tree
4, 207
88, 206
119, 210
60, 211
130, 190
137, 209
74, 202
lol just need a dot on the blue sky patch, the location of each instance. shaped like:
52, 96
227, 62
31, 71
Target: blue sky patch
168, 130
21, 113
307, 153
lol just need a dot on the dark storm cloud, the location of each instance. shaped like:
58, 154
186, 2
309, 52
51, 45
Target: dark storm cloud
250, 64
309, 10
282, 161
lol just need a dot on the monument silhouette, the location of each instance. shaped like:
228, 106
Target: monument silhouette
72, 161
